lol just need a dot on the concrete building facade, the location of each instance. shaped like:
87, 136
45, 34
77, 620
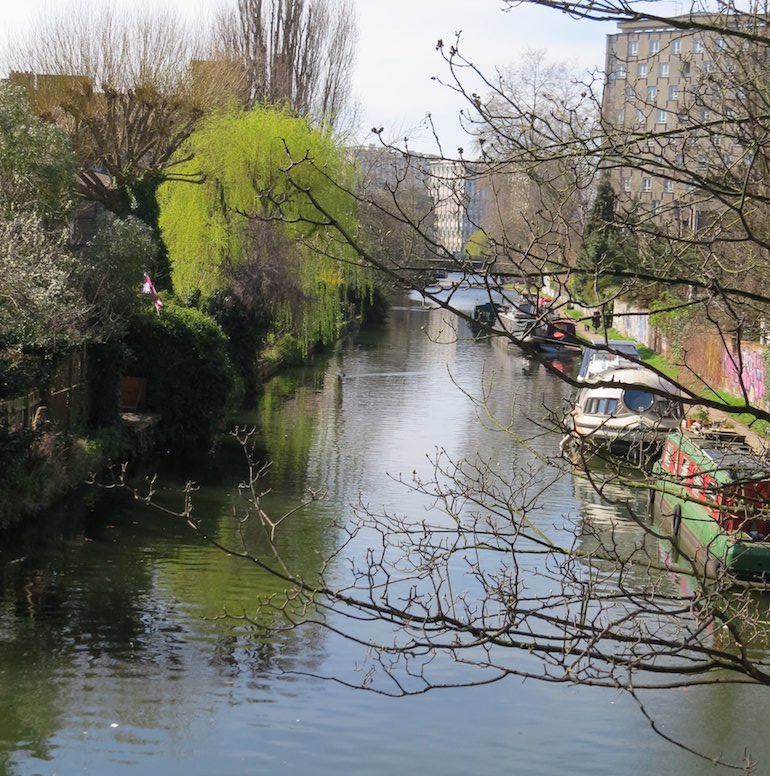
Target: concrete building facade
660, 93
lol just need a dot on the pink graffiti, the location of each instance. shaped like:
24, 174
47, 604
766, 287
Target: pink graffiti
752, 377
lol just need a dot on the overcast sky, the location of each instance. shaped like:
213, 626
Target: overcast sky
397, 56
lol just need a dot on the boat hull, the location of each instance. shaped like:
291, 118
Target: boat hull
641, 450
713, 551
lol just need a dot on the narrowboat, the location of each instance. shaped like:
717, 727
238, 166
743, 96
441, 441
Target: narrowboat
626, 412
555, 336
518, 318
485, 314
712, 492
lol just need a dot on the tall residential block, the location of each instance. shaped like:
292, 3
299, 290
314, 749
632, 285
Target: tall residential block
663, 88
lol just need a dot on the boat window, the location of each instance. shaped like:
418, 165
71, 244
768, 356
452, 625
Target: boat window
697, 486
667, 409
638, 400
601, 406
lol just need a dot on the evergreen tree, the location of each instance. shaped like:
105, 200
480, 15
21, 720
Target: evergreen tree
601, 251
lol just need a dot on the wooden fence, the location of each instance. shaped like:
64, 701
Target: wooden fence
65, 403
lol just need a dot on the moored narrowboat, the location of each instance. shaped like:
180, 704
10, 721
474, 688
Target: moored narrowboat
556, 336
712, 493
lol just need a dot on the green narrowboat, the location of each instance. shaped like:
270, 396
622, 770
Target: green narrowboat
712, 492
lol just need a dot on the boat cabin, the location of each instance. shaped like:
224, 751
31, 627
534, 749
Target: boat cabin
628, 410
719, 470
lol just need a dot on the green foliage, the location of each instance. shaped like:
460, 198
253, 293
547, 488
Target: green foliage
674, 318
37, 164
113, 267
245, 328
38, 466
264, 178
371, 305
289, 350
477, 245
14, 465
145, 193
190, 382
602, 251
42, 313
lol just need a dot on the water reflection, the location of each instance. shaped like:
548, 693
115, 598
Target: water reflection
118, 620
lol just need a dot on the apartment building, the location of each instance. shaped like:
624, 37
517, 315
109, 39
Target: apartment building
661, 91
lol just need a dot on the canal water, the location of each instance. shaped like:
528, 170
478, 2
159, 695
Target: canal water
116, 655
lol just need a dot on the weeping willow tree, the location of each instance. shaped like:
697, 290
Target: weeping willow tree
253, 220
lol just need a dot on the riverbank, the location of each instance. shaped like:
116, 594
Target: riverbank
53, 466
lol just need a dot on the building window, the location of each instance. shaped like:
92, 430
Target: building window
626, 184
664, 69
685, 69
676, 46
697, 46
652, 93
654, 46
673, 92
661, 116
668, 187
639, 116
707, 67
632, 48
641, 70
646, 184
622, 72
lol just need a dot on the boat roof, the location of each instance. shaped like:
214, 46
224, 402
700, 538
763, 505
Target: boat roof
597, 357
631, 376
624, 346
727, 453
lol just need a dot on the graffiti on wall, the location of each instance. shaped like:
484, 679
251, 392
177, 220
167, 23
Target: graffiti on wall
716, 366
752, 374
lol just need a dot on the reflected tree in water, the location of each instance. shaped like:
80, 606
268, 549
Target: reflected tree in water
476, 579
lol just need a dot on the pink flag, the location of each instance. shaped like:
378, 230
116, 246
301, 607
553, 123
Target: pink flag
149, 288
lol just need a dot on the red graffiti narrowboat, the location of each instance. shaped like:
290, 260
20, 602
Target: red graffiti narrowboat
712, 493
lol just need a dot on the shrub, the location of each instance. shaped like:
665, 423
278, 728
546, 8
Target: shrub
290, 350
113, 265
245, 328
190, 381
